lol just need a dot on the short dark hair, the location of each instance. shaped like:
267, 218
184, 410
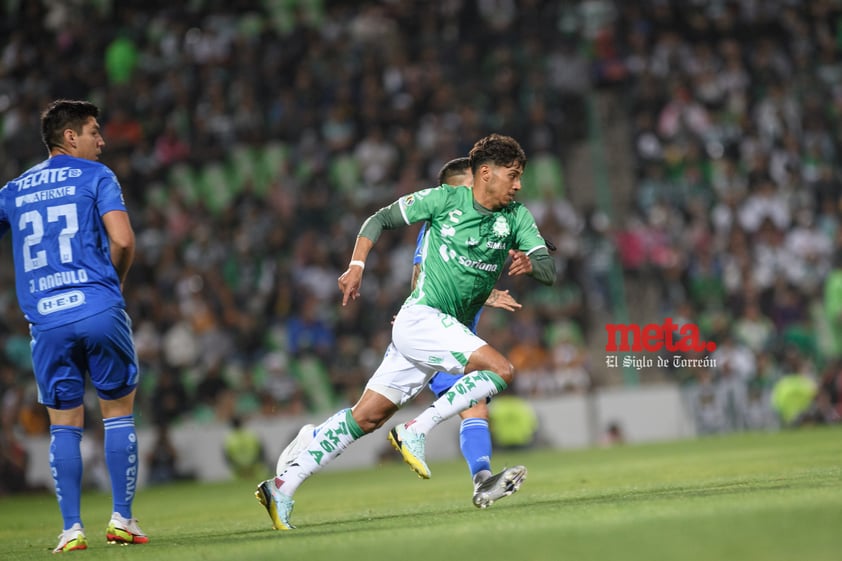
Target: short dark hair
64, 114
456, 166
497, 149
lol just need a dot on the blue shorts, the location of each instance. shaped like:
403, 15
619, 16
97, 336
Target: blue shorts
442, 381
100, 345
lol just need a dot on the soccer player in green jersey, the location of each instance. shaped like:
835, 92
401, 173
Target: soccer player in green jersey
472, 234
474, 433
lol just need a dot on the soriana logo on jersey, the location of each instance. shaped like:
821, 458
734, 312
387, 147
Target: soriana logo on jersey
672, 345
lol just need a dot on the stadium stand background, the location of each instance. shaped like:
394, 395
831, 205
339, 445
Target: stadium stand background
683, 160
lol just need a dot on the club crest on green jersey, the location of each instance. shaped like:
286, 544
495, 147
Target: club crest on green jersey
501, 227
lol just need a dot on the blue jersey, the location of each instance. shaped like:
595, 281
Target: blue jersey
63, 268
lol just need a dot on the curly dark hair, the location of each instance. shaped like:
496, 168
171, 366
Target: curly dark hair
64, 114
497, 149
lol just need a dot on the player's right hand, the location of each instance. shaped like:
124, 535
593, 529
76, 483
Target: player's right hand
349, 284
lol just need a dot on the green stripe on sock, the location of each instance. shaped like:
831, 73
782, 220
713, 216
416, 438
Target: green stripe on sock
499, 382
355, 429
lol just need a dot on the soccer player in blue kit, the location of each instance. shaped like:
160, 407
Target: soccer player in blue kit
73, 245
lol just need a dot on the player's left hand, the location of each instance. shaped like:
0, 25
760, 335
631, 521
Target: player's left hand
521, 265
503, 300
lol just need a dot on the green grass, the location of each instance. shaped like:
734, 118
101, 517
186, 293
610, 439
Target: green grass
744, 497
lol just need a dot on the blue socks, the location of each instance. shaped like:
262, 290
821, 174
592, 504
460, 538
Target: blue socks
475, 443
66, 466
121, 460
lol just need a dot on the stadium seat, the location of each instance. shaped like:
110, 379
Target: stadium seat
182, 179
344, 173
271, 161
243, 163
543, 174
215, 186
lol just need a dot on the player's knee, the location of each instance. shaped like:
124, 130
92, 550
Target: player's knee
507, 372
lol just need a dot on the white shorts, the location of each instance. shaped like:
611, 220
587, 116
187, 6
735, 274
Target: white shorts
424, 341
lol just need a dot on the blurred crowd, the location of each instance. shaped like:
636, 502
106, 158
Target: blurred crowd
736, 110
252, 137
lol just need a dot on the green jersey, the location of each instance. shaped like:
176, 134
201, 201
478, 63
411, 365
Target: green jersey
466, 246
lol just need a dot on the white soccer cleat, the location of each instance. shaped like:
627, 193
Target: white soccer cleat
72, 539
496, 487
124, 531
411, 445
278, 505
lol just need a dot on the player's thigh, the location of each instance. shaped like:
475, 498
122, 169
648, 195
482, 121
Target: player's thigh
112, 359
59, 366
397, 378
429, 337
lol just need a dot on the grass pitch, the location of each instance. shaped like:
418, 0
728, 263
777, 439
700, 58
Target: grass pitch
744, 497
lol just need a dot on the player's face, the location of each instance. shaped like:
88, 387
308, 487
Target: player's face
90, 142
503, 184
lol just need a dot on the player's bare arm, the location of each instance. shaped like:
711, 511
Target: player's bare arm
387, 218
121, 240
351, 279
